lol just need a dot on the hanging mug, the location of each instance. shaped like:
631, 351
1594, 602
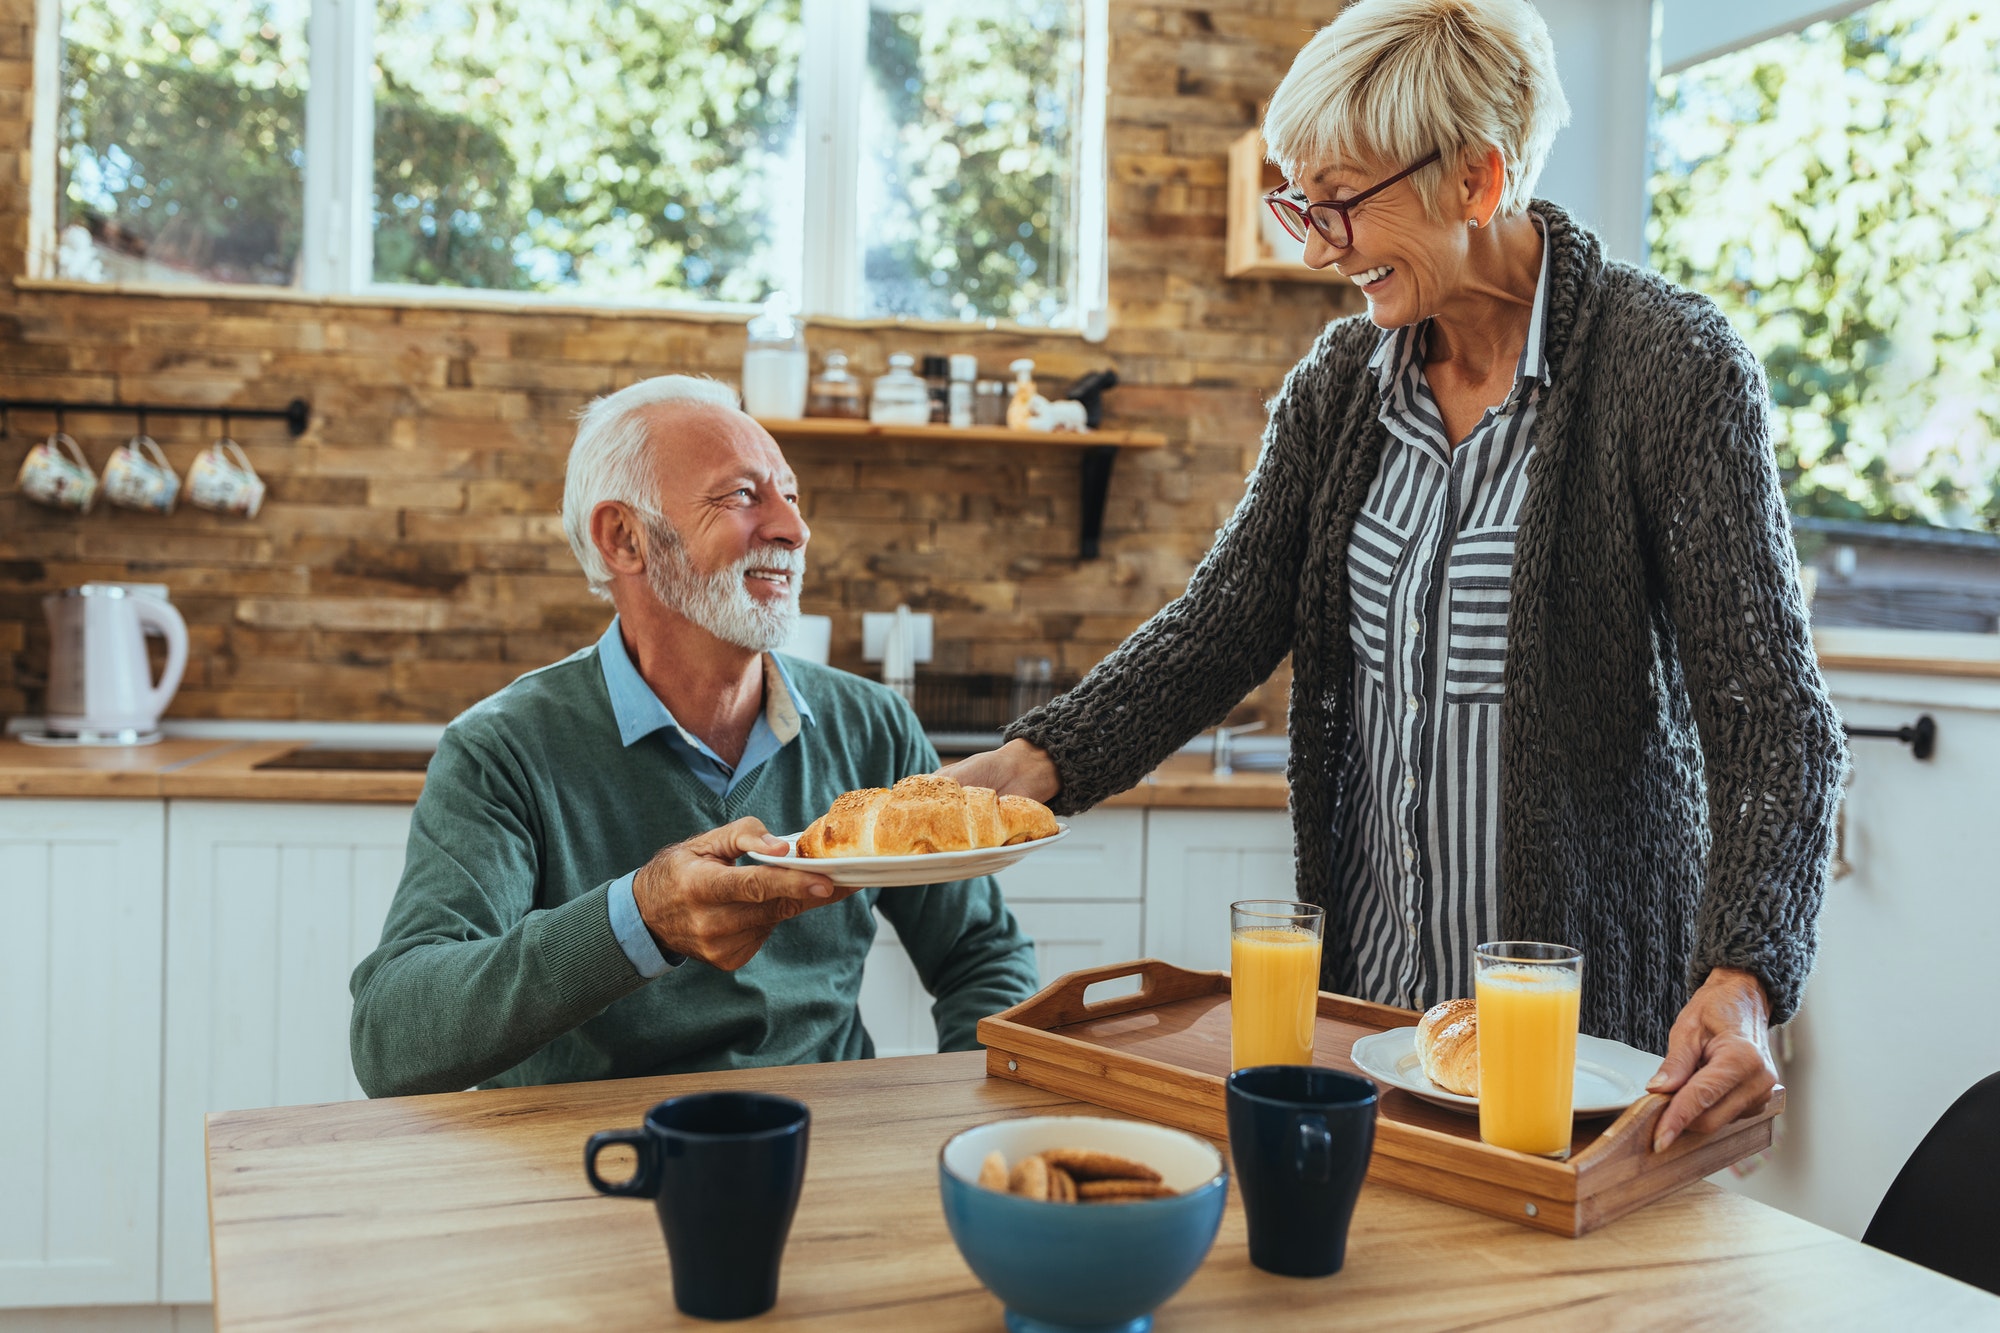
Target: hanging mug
138, 476
55, 474
223, 480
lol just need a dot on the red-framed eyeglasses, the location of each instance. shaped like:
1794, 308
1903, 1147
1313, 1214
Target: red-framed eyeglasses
1329, 217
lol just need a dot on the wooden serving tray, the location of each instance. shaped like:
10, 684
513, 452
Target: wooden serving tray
1163, 1053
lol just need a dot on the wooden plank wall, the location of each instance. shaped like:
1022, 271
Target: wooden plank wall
409, 559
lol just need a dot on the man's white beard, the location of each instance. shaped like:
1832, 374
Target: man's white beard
721, 602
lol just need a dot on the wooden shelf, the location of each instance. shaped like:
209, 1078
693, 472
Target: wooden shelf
1249, 250
1100, 450
789, 430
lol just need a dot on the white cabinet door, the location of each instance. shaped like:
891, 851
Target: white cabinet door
80, 1047
269, 907
1080, 901
1103, 859
1200, 861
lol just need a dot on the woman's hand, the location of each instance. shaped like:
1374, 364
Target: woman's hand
1718, 1063
1017, 768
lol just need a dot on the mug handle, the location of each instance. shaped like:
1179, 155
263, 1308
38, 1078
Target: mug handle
1312, 1158
642, 1185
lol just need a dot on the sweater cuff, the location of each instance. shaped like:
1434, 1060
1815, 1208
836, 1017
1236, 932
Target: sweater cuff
582, 955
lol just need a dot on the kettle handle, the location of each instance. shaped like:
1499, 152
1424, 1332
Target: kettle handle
159, 618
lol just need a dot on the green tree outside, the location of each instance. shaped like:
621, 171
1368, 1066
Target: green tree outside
1833, 192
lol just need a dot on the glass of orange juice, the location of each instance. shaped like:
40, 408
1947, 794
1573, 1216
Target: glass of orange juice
1273, 981
1527, 996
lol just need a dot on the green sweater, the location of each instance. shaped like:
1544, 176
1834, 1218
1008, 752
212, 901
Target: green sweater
498, 965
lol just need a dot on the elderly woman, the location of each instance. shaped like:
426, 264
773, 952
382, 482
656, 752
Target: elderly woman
1520, 530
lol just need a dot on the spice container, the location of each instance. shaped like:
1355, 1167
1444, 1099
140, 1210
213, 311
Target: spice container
989, 403
836, 393
964, 370
900, 398
937, 380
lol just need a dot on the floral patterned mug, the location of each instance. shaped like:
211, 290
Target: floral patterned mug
56, 474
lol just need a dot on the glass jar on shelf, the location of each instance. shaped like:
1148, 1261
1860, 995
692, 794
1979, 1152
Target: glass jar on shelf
775, 367
836, 393
900, 398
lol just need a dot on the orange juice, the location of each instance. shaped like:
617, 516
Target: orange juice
1273, 996
1527, 1056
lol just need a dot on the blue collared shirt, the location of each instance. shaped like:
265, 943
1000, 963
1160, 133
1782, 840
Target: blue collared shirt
640, 714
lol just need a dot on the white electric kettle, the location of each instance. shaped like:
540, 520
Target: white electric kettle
101, 687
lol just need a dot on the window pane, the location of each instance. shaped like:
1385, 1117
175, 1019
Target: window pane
1833, 192
181, 140
601, 150
968, 175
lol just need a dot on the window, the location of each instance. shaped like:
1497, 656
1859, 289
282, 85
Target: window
1832, 191
928, 158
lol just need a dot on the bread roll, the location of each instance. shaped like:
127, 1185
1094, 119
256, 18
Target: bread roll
1448, 1045
924, 814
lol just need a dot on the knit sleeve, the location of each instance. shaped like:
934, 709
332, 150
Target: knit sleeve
1772, 745
1184, 669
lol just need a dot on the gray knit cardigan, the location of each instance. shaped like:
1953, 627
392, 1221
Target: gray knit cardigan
1670, 763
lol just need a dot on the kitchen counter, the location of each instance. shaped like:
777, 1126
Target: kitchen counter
191, 769
470, 1210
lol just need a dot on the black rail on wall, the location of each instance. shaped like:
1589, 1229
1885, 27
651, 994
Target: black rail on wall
1920, 736
295, 414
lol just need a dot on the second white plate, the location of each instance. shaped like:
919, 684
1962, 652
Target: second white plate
1610, 1075
895, 872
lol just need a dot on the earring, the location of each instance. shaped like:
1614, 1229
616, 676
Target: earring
1472, 223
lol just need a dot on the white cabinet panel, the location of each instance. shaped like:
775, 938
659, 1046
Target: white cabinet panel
1200, 861
269, 907
80, 1044
1104, 857
1067, 936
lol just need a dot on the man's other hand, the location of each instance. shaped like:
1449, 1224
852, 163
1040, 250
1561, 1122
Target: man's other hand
697, 901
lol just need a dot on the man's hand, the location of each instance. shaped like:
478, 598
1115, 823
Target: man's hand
1718, 1057
1018, 768
697, 901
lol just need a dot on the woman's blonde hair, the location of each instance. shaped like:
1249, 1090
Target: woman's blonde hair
1396, 80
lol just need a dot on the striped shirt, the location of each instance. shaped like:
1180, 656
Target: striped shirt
1430, 566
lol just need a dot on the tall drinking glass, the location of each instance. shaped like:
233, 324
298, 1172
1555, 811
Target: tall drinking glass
1527, 996
1273, 981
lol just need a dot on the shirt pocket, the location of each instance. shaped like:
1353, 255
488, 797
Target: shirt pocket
1479, 584
1373, 553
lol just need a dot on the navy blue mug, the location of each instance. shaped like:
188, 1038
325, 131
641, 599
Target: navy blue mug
724, 1170
1300, 1139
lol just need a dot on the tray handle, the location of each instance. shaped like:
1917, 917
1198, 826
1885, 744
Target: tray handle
1061, 1001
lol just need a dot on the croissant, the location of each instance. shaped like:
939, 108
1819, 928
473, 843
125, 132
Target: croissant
924, 814
1448, 1046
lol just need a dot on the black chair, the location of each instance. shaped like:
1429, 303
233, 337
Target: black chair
1943, 1211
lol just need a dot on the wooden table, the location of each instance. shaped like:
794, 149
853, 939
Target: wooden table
470, 1210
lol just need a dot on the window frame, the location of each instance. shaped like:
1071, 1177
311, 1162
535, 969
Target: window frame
338, 240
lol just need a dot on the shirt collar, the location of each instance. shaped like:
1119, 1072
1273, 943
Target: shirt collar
640, 713
1396, 348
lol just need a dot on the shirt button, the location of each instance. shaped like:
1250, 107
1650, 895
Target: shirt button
1409, 855
1415, 624
1411, 702
1409, 783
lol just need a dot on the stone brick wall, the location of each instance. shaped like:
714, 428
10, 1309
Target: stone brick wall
409, 558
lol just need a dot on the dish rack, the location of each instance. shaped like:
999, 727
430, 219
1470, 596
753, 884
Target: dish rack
980, 702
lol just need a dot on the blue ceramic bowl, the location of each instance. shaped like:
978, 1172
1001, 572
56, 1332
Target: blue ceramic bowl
1083, 1267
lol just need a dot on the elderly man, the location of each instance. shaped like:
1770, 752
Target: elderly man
571, 906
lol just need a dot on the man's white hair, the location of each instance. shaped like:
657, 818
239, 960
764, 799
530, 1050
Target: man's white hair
1393, 81
610, 460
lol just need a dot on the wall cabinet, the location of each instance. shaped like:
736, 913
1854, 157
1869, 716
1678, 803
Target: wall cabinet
80, 955
1200, 861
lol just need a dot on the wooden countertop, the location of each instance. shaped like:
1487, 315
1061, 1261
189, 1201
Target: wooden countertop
470, 1211
226, 771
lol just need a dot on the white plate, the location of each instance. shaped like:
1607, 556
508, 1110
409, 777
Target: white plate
1610, 1075
893, 872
